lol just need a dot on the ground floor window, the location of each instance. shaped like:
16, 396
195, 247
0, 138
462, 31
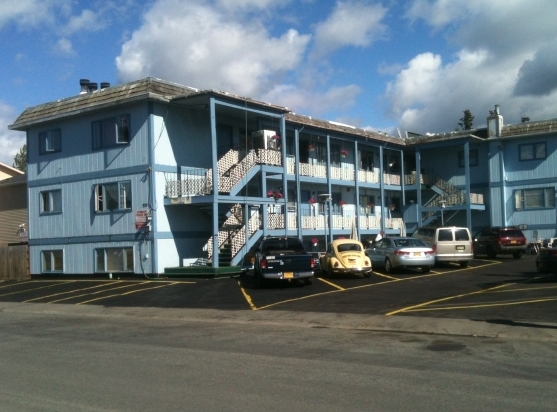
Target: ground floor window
52, 261
114, 259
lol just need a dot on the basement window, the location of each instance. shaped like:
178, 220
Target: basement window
52, 261
114, 260
111, 132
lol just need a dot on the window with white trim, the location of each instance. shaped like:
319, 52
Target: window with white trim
532, 151
113, 196
51, 201
114, 259
52, 261
111, 132
50, 141
541, 198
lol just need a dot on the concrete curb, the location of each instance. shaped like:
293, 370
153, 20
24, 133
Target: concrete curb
406, 324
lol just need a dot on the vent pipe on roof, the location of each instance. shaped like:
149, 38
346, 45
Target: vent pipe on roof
525, 119
105, 85
93, 86
84, 84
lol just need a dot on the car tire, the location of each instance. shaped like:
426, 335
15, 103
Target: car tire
388, 266
367, 274
330, 272
308, 281
258, 279
491, 252
517, 255
426, 269
463, 264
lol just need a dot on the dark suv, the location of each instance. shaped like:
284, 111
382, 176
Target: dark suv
500, 241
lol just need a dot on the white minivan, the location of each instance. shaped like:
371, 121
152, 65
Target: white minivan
450, 244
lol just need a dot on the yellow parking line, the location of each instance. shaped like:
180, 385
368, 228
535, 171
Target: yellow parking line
65, 293
32, 289
331, 284
95, 293
411, 308
485, 305
128, 293
386, 276
247, 297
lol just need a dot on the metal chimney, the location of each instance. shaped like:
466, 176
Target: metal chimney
105, 85
84, 85
93, 87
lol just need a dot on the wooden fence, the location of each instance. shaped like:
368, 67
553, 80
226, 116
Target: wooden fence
14, 262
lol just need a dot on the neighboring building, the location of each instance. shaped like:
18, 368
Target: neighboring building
122, 178
13, 204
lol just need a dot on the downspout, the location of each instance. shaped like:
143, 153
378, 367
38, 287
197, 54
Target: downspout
215, 204
297, 177
419, 187
151, 159
382, 188
330, 209
467, 179
503, 184
284, 170
357, 189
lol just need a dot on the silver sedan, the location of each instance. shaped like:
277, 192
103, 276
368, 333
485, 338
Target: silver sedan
401, 252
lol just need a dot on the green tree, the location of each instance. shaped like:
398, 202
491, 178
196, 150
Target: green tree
466, 121
20, 159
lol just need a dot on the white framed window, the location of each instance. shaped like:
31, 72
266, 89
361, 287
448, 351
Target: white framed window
534, 198
52, 261
51, 201
113, 196
111, 132
117, 259
50, 141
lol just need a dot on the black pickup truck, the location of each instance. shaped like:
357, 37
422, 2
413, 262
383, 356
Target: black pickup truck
283, 258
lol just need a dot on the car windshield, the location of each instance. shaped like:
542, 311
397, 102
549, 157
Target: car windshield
349, 247
409, 243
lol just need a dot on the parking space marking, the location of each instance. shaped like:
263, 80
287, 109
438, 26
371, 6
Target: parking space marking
484, 305
97, 292
32, 289
65, 293
130, 292
247, 297
331, 284
421, 305
386, 276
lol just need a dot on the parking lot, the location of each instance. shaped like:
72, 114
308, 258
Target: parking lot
498, 290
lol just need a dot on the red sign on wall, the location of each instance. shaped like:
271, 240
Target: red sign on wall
141, 219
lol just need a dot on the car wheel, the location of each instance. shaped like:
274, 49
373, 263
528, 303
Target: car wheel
463, 264
258, 279
330, 272
388, 266
308, 281
426, 269
491, 253
517, 255
367, 274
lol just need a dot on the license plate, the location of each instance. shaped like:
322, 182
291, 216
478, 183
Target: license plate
417, 254
288, 275
460, 248
513, 242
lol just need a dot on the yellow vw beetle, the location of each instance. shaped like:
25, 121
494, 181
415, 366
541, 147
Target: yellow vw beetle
345, 256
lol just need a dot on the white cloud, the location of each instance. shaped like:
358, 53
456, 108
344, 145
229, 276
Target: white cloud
10, 141
88, 20
506, 57
305, 101
64, 46
203, 47
31, 13
352, 23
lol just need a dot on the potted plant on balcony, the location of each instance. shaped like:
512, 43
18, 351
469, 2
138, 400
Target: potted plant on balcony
314, 241
341, 203
344, 153
312, 200
311, 147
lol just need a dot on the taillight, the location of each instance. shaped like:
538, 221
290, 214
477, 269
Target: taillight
312, 262
367, 263
401, 253
336, 264
434, 247
429, 252
263, 263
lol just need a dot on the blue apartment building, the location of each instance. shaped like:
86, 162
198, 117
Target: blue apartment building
150, 175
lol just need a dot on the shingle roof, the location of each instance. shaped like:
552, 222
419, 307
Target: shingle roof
520, 129
149, 88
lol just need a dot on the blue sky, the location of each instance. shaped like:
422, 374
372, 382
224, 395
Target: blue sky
411, 65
